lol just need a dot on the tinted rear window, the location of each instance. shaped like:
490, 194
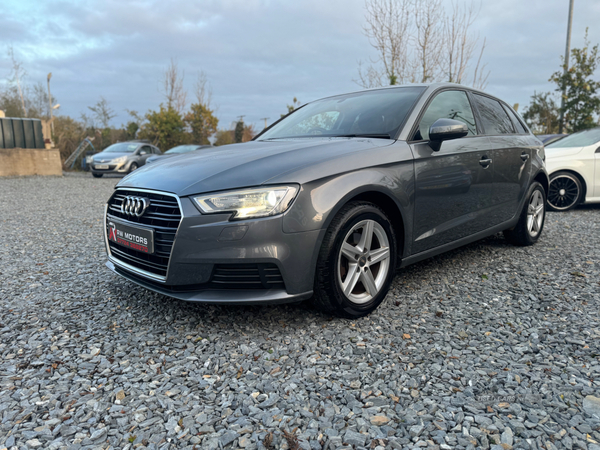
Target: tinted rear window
520, 127
493, 117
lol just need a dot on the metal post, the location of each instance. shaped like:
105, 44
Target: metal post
567, 51
50, 103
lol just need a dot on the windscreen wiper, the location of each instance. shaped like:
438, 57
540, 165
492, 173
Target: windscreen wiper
363, 135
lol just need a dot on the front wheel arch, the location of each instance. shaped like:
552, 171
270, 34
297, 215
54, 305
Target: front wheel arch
578, 175
566, 174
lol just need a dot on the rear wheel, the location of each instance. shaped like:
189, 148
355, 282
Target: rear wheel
97, 175
531, 221
356, 262
565, 192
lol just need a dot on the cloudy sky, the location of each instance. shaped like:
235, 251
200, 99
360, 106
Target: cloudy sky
257, 54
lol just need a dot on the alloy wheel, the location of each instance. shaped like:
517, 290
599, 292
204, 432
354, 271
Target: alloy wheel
364, 261
535, 213
563, 193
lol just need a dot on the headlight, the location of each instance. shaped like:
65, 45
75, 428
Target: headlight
120, 160
249, 203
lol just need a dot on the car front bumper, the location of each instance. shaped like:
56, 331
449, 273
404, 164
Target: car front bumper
207, 245
112, 168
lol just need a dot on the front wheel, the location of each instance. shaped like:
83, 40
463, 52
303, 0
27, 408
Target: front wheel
356, 262
565, 191
531, 220
133, 167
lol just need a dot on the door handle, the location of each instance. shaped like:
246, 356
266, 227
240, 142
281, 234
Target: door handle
524, 156
485, 162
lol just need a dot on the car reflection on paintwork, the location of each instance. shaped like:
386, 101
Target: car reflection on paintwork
452, 179
179, 150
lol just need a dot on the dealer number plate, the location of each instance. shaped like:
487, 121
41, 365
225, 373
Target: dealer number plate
135, 238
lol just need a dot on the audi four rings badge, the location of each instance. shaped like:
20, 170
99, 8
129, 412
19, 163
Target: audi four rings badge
134, 206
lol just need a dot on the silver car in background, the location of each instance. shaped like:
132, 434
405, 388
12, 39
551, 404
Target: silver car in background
122, 158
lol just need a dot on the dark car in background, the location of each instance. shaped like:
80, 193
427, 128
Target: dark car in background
328, 201
179, 150
122, 158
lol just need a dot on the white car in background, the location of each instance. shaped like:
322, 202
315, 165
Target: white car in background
573, 164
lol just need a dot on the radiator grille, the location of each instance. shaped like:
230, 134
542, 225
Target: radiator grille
162, 215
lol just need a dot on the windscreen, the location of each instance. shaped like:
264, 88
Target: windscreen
123, 147
580, 139
182, 149
378, 113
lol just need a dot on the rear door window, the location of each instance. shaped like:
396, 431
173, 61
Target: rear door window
494, 118
517, 123
447, 105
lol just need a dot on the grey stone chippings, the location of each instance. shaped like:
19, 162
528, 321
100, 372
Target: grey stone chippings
489, 346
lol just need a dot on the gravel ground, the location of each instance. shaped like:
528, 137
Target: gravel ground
488, 346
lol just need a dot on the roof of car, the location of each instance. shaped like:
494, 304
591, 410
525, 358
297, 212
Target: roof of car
433, 86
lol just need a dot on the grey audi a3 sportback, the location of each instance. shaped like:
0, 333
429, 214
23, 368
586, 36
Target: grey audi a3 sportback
328, 201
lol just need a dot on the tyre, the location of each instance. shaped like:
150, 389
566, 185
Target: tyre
356, 262
132, 167
97, 175
531, 220
565, 192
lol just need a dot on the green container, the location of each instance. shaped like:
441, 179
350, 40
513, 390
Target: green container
37, 133
28, 132
7, 131
19, 133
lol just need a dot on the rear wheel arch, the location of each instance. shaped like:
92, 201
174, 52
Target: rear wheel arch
543, 179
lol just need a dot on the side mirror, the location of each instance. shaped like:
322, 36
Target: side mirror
445, 130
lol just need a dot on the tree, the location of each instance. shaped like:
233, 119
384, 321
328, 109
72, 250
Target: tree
224, 137
420, 41
542, 114
387, 28
202, 123
428, 40
244, 132
172, 87
134, 124
164, 128
239, 131
249, 133
201, 119
102, 113
295, 105
582, 103
18, 73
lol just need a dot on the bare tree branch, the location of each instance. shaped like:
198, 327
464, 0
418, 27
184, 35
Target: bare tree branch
172, 87
420, 40
370, 77
388, 31
203, 90
480, 75
18, 73
428, 39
